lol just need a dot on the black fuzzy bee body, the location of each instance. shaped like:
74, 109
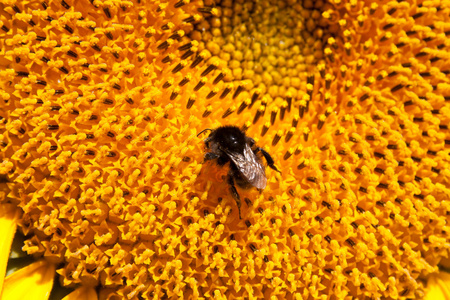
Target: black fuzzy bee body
230, 144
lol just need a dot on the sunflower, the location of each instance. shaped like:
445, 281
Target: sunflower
102, 170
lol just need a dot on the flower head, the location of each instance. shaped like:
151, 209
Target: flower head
102, 102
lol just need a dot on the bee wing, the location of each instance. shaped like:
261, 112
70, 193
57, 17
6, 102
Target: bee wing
250, 167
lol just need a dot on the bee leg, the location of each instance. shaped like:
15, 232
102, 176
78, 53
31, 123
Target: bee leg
250, 141
210, 156
269, 159
221, 160
235, 193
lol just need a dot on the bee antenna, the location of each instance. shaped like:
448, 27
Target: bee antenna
203, 131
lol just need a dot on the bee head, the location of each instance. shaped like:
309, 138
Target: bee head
230, 137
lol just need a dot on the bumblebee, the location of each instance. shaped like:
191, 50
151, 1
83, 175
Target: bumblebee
230, 144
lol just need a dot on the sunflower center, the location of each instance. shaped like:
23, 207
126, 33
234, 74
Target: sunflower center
271, 44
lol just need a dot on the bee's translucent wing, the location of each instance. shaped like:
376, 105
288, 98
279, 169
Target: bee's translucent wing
249, 166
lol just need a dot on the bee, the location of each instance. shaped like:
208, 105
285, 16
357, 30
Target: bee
230, 144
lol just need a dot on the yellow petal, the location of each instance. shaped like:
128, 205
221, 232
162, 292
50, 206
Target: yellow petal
443, 281
438, 287
82, 293
8, 217
433, 291
32, 282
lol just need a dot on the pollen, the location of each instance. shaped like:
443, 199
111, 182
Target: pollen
101, 104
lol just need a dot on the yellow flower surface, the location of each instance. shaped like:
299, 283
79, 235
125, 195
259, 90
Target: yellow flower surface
101, 103
8, 225
33, 282
438, 286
